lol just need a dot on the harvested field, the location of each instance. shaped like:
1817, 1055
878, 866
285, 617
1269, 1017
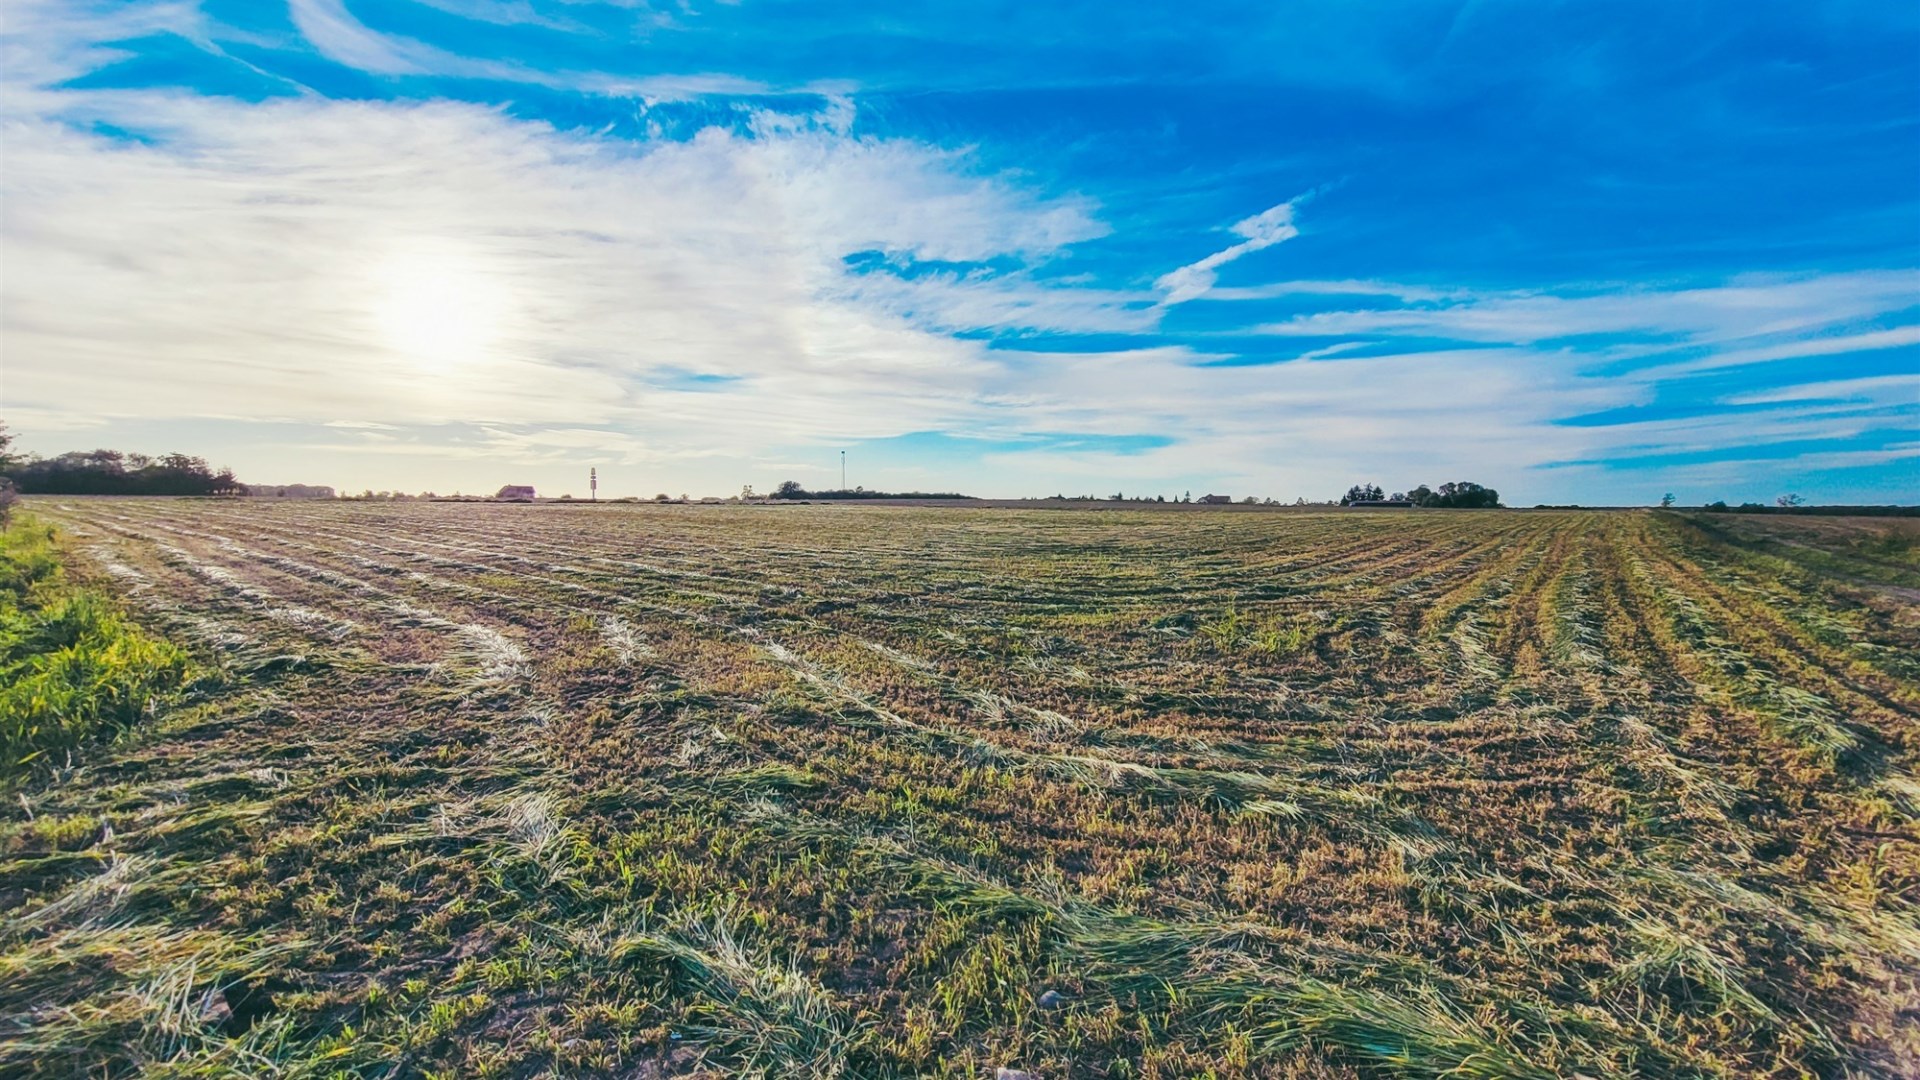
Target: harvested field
477, 790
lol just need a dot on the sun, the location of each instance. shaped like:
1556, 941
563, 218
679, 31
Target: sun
438, 308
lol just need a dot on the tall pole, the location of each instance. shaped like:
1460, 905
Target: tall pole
593, 484
843, 470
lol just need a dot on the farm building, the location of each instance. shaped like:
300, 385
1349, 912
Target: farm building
515, 493
1216, 500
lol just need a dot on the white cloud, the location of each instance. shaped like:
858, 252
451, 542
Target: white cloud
1263, 230
408, 271
1881, 390
259, 262
332, 30
953, 301
43, 42
1832, 345
654, 89
406, 264
342, 38
1288, 427
1278, 289
502, 13
1745, 308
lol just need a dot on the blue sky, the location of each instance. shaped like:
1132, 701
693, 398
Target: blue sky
1578, 252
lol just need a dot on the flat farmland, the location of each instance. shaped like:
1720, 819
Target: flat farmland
650, 791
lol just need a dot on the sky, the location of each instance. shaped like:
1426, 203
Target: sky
1578, 252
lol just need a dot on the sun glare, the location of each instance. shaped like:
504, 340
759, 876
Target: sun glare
438, 309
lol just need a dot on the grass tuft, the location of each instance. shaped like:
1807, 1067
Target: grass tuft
72, 667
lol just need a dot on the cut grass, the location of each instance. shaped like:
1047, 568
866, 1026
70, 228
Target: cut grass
875, 793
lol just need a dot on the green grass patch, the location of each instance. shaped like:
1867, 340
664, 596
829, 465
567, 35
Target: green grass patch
72, 667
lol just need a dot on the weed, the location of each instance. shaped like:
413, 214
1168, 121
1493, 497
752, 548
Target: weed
72, 668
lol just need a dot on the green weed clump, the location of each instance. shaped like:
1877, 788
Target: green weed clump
71, 666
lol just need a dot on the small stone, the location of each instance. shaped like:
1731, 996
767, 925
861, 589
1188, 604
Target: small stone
1052, 999
214, 1010
1004, 1073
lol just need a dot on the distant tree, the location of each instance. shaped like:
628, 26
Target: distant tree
110, 472
1463, 494
788, 489
746, 491
1787, 502
1666, 500
1362, 493
8, 496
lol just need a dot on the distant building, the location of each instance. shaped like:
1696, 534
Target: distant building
515, 493
1216, 500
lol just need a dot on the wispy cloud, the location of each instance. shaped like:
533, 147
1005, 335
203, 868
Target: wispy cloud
1279, 289
1827, 345
1263, 230
1882, 390
1749, 308
344, 39
504, 13
335, 33
959, 302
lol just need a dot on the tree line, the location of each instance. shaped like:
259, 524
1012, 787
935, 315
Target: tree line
1456, 494
113, 472
791, 489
